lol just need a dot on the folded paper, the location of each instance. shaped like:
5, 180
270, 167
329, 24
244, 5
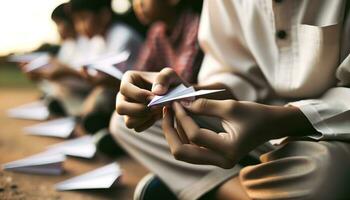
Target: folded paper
26, 57
83, 147
32, 111
101, 178
108, 65
179, 93
61, 128
41, 61
42, 163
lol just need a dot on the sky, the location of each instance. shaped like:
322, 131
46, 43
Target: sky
26, 24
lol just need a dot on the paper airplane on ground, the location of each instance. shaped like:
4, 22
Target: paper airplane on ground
179, 93
32, 111
42, 163
83, 147
61, 128
101, 178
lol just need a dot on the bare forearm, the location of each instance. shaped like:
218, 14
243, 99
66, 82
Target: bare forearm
290, 121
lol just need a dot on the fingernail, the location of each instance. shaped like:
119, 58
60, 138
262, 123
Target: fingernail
186, 103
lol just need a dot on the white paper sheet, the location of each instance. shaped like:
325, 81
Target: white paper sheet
42, 163
101, 178
61, 128
26, 57
82, 147
180, 92
32, 111
42, 61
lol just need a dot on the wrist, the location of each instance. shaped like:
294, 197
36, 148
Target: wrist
290, 121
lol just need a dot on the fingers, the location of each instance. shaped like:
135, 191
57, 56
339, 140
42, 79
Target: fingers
133, 98
129, 88
84, 73
216, 108
132, 122
145, 125
201, 137
164, 79
188, 152
124, 107
169, 131
201, 156
182, 133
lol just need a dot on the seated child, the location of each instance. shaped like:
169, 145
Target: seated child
103, 34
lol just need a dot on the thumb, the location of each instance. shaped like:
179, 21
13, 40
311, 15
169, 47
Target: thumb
215, 108
164, 79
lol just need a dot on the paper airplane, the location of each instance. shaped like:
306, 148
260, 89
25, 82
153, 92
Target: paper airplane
42, 163
32, 111
101, 178
26, 57
61, 128
107, 64
180, 92
41, 61
83, 147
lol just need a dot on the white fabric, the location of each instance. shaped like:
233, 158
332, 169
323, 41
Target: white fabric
118, 38
67, 51
244, 53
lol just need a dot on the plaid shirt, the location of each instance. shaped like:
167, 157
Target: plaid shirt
178, 49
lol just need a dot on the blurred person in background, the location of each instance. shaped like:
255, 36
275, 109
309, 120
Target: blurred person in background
63, 87
102, 33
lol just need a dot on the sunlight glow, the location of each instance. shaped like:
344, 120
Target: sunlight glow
26, 24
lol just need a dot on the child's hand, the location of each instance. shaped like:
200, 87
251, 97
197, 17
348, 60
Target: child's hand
136, 90
247, 126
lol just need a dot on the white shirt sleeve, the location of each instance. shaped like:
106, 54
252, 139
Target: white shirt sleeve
330, 114
213, 72
121, 38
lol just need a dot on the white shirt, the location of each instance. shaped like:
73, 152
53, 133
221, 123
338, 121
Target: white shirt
290, 50
67, 51
118, 38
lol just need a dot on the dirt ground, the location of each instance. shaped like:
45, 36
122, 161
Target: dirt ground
14, 144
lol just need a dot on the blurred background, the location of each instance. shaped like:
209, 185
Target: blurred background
24, 30
26, 26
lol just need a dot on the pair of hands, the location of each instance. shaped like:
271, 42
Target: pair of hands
246, 124
137, 89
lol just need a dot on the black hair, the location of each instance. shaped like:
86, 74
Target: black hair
90, 5
130, 19
62, 12
194, 5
